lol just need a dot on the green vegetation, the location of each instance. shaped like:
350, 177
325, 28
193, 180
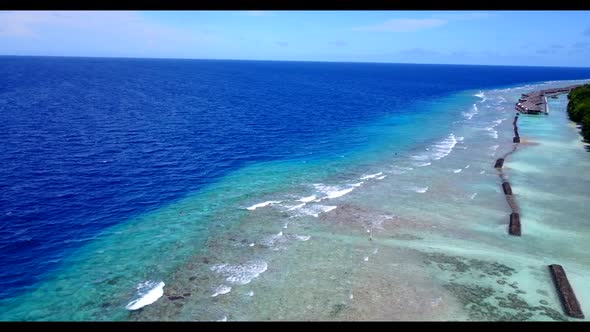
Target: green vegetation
578, 108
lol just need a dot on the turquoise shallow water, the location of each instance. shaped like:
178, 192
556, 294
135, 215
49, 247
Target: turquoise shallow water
411, 227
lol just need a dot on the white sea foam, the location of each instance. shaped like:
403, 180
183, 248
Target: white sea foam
492, 129
263, 204
466, 167
444, 147
148, 292
331, 191
473, 196
351, 296
220, 290
457, 170
296, 207
399, 170
315, 210
438, 150
420, 190
370, 176
329, 208
222, 319
366, 259
492, 132
480, 94
470, 114
482, 172
250, 293
375, 251
303, 237
420, 157
241, 274
381, 177
271, 240
307, 199
357, 184
339, 193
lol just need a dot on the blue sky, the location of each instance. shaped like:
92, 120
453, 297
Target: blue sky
537, 38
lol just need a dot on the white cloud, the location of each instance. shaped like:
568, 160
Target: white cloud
114, 24
122, 29
22, 24
403, 25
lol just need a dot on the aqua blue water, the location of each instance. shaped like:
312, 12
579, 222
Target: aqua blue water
121, 173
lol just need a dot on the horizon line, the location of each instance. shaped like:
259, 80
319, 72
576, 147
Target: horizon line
275, 60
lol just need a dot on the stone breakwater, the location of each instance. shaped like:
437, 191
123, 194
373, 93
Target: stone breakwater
514, 227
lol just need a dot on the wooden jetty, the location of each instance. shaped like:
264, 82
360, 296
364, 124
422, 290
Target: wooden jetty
536, 102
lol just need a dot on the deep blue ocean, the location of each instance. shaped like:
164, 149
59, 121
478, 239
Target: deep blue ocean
88, 143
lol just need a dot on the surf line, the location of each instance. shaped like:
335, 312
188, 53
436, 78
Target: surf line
514, 224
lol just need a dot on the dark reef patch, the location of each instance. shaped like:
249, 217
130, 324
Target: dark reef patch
460, 264
336, 309
484, 303
479, 302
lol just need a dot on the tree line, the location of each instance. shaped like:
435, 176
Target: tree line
578, 108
